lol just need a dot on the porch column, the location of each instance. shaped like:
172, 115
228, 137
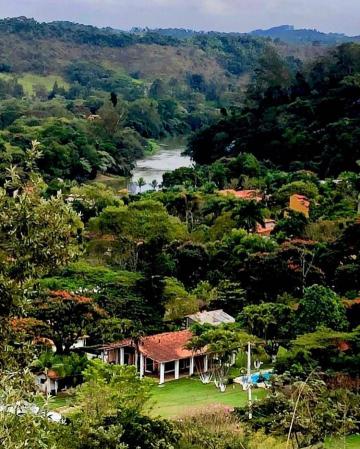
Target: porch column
191, 368
48, 386
136, 359
122, 356
162, 373
233, 358
177, 369
206, 364
142, 365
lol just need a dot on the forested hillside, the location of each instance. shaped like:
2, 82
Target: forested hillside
98, 99
288, 33
308, 120
263, 229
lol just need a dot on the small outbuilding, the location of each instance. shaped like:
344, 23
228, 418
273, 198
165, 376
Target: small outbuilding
213, 317
300, 203
48, 382
246, 195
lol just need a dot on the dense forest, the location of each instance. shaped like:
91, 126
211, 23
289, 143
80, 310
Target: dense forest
98, 99
78, 258
288, 33
304, 121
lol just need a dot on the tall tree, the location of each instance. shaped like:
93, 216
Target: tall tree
68, 317
320, 306
36, 236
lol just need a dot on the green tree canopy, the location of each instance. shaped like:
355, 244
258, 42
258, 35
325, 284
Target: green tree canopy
320, 306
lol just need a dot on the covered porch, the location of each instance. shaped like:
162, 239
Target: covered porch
174, 369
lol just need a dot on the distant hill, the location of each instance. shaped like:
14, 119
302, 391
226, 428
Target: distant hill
288, 33
285, 33
28, 46
47, 48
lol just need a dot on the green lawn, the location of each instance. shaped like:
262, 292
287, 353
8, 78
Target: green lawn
29, 80
352, 442
57, 403
113, 182
184, 396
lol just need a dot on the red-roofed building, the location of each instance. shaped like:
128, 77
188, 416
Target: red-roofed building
248, 195
162, 355
266, 230
300, 203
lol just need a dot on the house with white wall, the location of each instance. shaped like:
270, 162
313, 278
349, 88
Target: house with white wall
164, 356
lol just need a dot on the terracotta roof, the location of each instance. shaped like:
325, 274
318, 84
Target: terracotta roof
303, 199
165, 347
43, 341
267, 229
52, 374
119, 344
243, 194
343, 346
349, 303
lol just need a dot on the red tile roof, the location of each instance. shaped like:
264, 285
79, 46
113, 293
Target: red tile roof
343, 346
165, 347
304, 200
52, 374
267, 229
349, 303
119, 344
243, 194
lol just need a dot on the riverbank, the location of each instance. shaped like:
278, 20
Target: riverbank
151, 168
165, 155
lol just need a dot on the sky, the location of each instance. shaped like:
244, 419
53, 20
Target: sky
220, 15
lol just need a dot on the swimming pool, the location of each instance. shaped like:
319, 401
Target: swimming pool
256, 376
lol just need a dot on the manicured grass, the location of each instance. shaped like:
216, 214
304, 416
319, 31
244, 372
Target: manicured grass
184, 396
57, 403
29, 80
352, 442
113, 182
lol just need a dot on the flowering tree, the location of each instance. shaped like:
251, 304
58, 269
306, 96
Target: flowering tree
67, 317
37, 234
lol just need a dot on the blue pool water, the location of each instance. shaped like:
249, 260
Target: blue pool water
255, 377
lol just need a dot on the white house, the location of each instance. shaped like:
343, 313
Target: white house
164, 356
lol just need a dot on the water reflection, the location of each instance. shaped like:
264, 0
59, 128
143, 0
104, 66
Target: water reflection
153, 167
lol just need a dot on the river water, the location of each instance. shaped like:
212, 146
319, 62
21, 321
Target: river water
152, 167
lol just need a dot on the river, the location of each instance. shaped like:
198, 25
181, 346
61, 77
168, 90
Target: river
152, 167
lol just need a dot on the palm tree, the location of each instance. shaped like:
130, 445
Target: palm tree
248, 214
154, 184
141, 183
